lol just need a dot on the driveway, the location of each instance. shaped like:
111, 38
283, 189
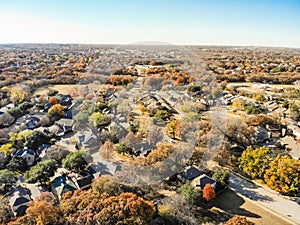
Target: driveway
271, 200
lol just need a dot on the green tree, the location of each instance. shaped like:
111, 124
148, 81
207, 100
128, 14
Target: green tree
98, 119
123, 148
294, 111
283, 175
77, 161
162, 114
254, 162
36, 139
41, 172
7, 180
174, 129
17, 164
190, 117
250, 109
189, 192
221, 176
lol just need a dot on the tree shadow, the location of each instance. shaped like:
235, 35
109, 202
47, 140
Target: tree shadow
230, 204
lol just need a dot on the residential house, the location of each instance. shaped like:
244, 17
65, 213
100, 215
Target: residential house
276, 130
4, 109
61, 185
82, 182
32, 122
27, 154
189, 173
201, 181
104, 168
19, 200
65, 124
65, 100
87, 139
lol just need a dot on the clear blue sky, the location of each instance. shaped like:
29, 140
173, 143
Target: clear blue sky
260, 23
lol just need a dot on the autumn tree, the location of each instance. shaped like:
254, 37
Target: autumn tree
208, 192
55, 112
126, 208
19, 93
162, 151
238, 220
283, 175
53, 101
106, 149
254, 162
44, 212
106, 185
77, 161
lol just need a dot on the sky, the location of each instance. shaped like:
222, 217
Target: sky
194, 22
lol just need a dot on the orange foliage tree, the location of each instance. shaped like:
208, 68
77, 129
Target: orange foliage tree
208, 192
238, 220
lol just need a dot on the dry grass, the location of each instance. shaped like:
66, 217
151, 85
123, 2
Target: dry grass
229, 203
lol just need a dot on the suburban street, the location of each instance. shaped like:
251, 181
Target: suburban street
267, 198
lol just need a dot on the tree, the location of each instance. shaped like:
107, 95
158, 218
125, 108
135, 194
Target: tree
123, 149
250, 109
104, 184
77, 161
53, 101
7, 149
238, 104
6, 119
162, 114
189, 192
208, 192
238, 220
283, 175
17, 164
5, 211
260, 98
126, 208
19, 93
221, 176
98, 119
254, 162
191, 117
36, 139
7, 180
43, 212
174, 129
41, 172
55, 112
294, 111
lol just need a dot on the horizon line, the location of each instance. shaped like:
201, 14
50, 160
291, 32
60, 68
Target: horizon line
145, 44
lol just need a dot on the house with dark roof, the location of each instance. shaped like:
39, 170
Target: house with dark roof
201, 181
19, 200
189, 173
65, 100
82, 182
32, 122
27, 154
65, 124
61, 185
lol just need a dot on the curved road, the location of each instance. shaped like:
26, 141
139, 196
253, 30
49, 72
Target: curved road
271, 200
